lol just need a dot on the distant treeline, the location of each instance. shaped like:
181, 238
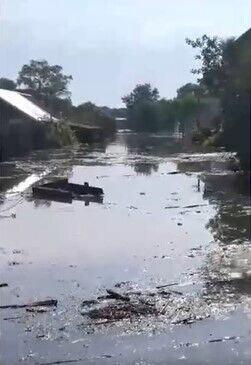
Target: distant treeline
146, 111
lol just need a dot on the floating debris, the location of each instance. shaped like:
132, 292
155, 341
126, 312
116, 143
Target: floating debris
61, 362
166, 285
37, 310
116, 295
3, 285
14, 263
43, 303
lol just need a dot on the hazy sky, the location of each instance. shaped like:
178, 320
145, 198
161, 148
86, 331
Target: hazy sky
109, 46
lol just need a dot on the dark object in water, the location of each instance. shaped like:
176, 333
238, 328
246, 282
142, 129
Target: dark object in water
61, 362
3, 285
42, 303
62, 190
166, 285
118, 296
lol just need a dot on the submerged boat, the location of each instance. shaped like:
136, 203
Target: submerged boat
62, 190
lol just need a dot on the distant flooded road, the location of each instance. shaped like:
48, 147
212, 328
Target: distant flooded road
171, 239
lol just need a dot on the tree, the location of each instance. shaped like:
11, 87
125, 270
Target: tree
141, 106
141, 93
211, 51
44, 78
190, 89
7, 84
167, 114
185, 111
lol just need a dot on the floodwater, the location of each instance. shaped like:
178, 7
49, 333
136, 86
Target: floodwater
167, 217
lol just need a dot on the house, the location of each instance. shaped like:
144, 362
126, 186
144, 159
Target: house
20, 122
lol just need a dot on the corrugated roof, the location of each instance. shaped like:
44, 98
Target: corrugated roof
26, 106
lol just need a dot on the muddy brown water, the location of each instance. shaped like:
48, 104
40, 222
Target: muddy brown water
154, 227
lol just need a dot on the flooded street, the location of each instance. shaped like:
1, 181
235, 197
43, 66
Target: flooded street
171, 236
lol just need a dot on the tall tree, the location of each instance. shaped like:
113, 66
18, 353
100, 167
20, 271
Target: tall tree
141, 106
167, 114
190, 89
141, 93
44, 78
211, 71
7, 84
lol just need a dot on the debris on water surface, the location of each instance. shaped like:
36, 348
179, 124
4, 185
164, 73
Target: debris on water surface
115, 311
116, 295
37, 310
168, 305
58, 362
195, 205
11, 318
89, 302
16, 251
43, 303
14, 263
3, 285
122, 283
226, 338
166, 285
191, 255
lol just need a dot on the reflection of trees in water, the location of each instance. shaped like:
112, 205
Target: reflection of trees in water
231, 223
145, 168
227, 270
146, 145
150, 144
231, 195
41, 203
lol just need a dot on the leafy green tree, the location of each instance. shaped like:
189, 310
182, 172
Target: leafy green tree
46, 79
225, 71
167, 114
211, 71
186, 111
190, 89
141, 93
141, 106
7, 84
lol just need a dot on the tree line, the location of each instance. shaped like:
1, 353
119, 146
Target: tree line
146, 111
223, 74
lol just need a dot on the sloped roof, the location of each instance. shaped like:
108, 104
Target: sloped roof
26, 106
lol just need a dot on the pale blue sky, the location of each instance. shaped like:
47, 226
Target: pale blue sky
110, 45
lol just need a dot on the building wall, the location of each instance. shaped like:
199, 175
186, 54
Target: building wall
16, 132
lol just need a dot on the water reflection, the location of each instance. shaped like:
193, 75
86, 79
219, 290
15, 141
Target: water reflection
227, 268
146, 151
231, 194
145, 168
159, 145
87, 200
